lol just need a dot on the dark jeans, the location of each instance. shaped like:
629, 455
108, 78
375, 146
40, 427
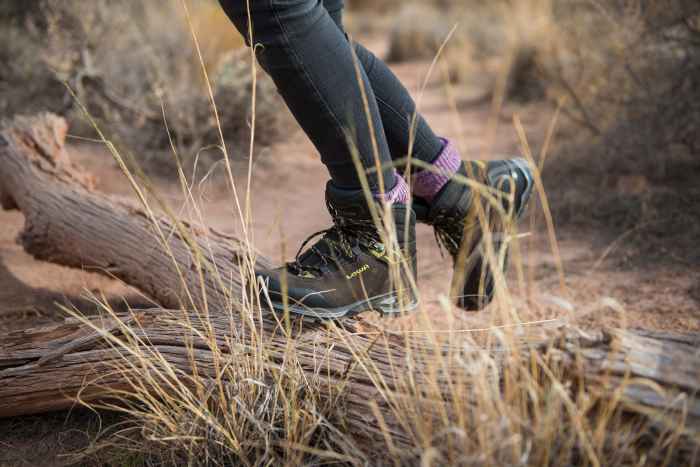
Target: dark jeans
301, 44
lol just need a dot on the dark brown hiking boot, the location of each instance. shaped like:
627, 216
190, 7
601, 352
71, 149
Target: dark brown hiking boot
350, 269
453, 215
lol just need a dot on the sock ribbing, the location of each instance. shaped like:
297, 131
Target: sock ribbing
428, 183
399, 194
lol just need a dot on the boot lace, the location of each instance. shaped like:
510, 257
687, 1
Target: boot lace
448, 234
340, 241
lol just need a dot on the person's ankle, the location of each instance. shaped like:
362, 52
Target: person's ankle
430, 181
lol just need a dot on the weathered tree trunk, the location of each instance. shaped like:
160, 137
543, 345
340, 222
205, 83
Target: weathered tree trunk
68, 224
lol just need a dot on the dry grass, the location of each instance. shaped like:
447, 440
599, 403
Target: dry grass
131, 64
515, 405
632, 87
515, 409
512, 32
627, 76
419, 31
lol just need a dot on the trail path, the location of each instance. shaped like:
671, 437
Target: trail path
288, 204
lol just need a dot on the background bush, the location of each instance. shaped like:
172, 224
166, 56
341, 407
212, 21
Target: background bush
630, 74
133, 65
627, 73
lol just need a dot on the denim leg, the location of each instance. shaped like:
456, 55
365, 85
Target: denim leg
312, 64
396, 106
397, 109
335, 9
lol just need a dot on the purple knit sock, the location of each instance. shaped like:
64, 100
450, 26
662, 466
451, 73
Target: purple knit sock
399, 194
428, 183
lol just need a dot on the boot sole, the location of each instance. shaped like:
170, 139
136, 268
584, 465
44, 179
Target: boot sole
474, 279
386, 305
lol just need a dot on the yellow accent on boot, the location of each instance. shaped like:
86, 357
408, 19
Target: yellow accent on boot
354, 274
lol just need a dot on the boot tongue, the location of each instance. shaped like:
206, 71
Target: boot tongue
312, 257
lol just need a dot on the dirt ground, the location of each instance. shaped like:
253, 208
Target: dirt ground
602, 289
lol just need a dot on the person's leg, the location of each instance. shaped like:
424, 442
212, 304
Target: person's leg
440, 199
349, 269
396, 106
300, 47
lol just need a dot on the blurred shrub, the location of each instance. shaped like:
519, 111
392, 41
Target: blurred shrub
633, 66
131, 63
372, 5
482, 30
418, 32
630, 74
19, 10
26, 83
633, 63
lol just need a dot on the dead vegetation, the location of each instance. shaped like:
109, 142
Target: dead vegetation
636, 96
134, 67
419, 31
251, 402
219, 380
627, 77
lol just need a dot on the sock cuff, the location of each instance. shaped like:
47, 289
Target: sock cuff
399, 194
428, 183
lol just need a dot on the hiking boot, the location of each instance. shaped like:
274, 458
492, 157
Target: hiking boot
350, 269
453, 214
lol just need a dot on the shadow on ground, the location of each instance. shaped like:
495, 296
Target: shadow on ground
22, 305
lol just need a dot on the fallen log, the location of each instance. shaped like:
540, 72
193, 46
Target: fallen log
179, 265
68, 223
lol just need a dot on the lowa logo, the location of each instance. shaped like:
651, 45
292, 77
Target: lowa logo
364, 268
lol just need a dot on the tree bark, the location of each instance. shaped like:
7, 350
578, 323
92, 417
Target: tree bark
69, 224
